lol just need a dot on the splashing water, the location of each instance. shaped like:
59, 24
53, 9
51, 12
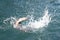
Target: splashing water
42, 22
32, 24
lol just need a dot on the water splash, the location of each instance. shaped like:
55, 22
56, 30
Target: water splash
41, 22
10, 20
32, 24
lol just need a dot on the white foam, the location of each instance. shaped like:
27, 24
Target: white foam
42, 21
37, 24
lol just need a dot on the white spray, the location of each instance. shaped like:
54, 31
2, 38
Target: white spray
42, 21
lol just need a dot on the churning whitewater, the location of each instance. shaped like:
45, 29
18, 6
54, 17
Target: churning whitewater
32, 25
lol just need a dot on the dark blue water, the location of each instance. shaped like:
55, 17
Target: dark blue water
20, 8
